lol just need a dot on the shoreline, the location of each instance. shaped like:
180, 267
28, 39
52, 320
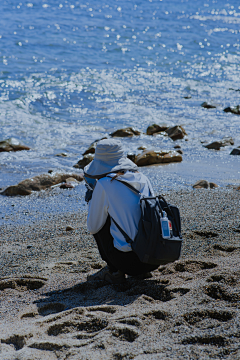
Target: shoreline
188, 309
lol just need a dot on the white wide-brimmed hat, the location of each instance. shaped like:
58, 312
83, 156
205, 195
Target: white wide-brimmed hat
109, 157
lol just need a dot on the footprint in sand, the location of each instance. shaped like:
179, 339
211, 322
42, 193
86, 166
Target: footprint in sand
23, 283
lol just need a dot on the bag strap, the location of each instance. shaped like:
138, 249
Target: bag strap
126, 237
128, 185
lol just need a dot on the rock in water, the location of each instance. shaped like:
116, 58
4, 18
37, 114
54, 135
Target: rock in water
176, 132
155, 128
216, 145
234, 110
12, 144
127, 132
235, 151
149, 157
208, 106
84, 161
37, 183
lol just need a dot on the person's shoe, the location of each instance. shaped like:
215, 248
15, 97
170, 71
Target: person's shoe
115, 277
106, 275
99, 275
146, 275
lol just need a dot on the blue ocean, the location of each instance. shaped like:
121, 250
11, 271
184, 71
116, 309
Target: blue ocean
73, 71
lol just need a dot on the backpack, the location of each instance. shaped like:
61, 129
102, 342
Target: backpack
158, 219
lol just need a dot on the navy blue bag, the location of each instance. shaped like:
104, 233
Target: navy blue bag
149, 244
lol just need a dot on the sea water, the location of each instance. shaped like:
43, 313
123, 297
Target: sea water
74, 71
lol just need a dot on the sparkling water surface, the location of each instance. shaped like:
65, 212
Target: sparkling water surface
73, 71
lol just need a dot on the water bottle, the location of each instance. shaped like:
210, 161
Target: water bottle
165, 226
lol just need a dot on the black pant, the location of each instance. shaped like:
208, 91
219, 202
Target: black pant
127, 262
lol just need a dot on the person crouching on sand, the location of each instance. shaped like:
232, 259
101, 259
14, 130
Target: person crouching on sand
113, 202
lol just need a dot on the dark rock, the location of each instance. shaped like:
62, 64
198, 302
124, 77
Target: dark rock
208, 106
154, 128
50, 171
69, 228
132, 157
180, 151
62, 155
204, 184
177, 147
149, 157
127, 132
233, 110
176, 132
84, 161
12, 144
187, 97
235, 151
40, 182
216, 145
141, 148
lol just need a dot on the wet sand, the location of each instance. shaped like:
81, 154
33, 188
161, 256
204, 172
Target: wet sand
187, 310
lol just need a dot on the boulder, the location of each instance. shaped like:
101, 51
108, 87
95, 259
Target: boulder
40, 182
204, 184
208, 106
216, 145
126, 132
234, 110
176, 132
149, 157
155, 128
12, 144
235, 151
84, 161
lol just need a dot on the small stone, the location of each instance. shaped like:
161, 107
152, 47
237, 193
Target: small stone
12, 144
235, 151
187, 97
201, 184
29, 246
177, 147
176, 132
149, 157
213, 185
234, 110
131, 157
141, 148
84, 161
180, 151
126, 132
216, 145
208, 106
50, 171
62, 155
204, 184
155, 128
69, 228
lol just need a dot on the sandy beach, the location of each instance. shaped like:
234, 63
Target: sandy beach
187, 310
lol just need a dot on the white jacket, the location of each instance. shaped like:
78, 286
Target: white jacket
121, 203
